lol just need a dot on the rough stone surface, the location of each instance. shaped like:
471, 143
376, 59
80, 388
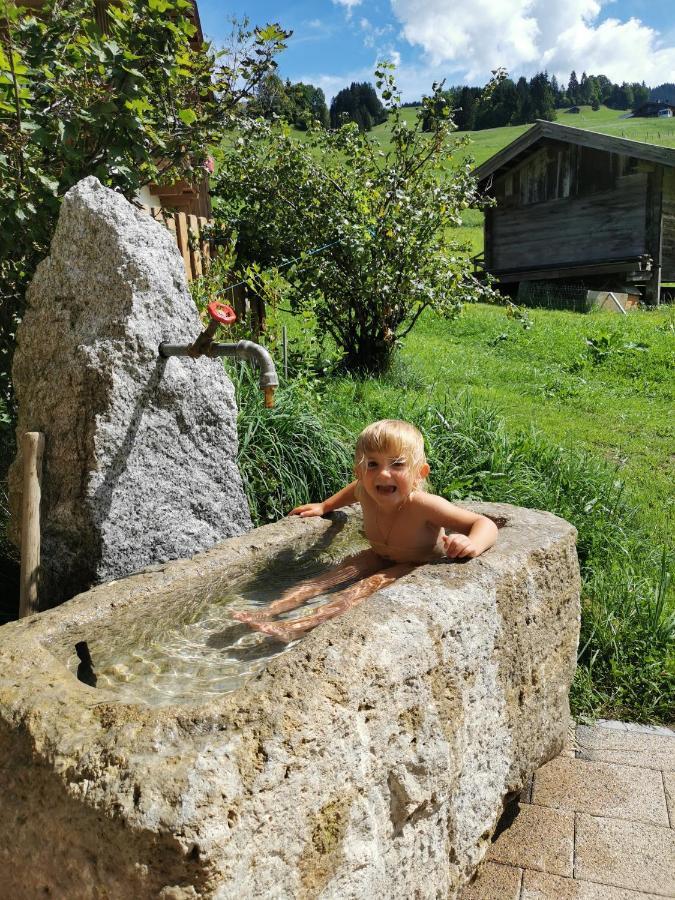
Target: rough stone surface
140, 452
372, 759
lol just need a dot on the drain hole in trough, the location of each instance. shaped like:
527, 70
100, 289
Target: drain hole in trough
85, 670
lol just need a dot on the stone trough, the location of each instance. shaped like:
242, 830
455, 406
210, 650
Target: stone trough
372, 758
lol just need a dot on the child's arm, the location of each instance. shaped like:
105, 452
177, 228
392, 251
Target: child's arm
470, 533
345, 497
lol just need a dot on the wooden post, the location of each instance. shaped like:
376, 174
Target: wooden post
33, 447
654, 234
195, 252
183, 244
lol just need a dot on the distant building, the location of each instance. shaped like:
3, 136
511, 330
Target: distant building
574, 204
655, 108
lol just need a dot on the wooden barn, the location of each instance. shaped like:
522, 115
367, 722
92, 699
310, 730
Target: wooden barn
655, 108
575, 205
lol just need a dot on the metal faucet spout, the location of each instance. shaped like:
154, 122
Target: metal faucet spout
246, 350
259, 356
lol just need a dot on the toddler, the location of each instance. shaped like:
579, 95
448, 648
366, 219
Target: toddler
404, 525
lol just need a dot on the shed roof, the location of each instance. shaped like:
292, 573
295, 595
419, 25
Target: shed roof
541, 130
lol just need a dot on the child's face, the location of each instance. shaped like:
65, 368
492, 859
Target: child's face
388, 480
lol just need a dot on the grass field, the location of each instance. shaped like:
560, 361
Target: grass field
607, 121
617, 406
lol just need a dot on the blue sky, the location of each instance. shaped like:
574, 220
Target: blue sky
335, 42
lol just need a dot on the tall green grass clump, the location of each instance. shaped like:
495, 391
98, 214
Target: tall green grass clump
626, 661
290, 453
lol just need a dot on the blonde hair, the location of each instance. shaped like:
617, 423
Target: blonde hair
395, 438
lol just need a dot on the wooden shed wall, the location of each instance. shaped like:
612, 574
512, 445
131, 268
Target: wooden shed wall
566, 204
556, 170
668, 232
608, 224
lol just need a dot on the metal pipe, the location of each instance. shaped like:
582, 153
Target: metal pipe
246, 350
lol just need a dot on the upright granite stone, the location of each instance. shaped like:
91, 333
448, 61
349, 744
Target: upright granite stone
140, 455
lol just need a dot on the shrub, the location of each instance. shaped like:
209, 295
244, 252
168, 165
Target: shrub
380, 217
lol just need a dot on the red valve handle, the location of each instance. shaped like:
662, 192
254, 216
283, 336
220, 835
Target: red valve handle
221, 312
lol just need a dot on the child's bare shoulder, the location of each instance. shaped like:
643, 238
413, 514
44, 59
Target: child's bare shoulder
440, 511
428, 502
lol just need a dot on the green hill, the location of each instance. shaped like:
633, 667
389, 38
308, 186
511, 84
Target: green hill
607, 121
484, 144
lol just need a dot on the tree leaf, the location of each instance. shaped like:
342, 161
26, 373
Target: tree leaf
187, 115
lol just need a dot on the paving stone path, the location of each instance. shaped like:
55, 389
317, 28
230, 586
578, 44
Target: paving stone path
596, 823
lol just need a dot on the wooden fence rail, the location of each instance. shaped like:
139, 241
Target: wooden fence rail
187, 231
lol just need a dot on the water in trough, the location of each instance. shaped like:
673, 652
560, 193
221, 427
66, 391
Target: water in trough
192, 648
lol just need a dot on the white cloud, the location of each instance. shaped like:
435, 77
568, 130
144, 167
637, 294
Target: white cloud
471, 37
348, 5
372, 33
392, 55
331, 84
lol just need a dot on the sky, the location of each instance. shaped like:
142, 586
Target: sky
336, 42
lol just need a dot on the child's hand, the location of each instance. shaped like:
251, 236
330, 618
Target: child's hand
459, 546
308, 509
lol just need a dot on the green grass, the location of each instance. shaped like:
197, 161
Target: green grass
619, 407
539, 418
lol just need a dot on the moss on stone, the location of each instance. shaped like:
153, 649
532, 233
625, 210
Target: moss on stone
323, 852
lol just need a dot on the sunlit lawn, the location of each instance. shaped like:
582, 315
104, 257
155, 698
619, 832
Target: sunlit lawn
620, 407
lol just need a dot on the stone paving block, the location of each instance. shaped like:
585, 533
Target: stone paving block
669, 783
494, 880
540, 886
539, 838
635, 726
570, 746
602, 789
648, 748
628, 855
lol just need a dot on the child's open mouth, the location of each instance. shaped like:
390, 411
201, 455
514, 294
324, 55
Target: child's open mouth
386, 488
